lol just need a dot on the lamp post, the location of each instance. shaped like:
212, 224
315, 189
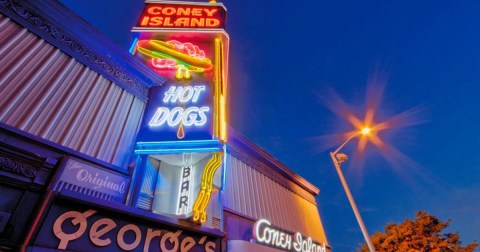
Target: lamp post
339, 158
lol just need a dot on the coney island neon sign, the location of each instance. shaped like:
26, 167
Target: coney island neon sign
264, 233
175, 15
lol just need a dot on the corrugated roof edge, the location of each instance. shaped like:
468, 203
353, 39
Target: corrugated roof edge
239, 140
67, 31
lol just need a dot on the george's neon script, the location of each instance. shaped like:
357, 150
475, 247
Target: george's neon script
111, 235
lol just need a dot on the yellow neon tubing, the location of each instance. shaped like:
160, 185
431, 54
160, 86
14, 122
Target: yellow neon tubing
216, 94
169, 49
157, 55
219, 105
206, 185
222, 99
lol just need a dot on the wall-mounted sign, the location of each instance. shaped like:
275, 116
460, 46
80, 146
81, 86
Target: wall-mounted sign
182, 58
265, 233
195, 60
178, 112
92, 180
86, 228
183, 15
185, 43
185, 187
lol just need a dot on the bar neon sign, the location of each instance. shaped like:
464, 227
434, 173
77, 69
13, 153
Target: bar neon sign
185, 186
156, 15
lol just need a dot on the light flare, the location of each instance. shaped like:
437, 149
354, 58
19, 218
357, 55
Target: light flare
368, 127
365, 131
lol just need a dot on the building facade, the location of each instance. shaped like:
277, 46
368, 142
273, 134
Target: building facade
85, 164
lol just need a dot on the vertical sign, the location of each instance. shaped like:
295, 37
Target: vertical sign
184, 197
186, 43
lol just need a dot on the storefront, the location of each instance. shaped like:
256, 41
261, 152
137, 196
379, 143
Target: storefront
107, 150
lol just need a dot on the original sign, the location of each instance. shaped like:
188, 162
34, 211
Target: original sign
181, 15
90, 229
92, 180
264, 233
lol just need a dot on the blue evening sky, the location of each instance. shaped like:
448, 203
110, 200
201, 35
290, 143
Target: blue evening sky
284, 55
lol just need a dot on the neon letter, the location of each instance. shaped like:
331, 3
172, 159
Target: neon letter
155, 10
197, 12
212, 22
121, 233
182, 22
160, 117
183, 11
150, 235
203, 117
155, 21
258, 236
168, 11
99, 228
189, 116
210, 12
198, 90
144, 21
173, 119
77, 218
172, 94
186, 94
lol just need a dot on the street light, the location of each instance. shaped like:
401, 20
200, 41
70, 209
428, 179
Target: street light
338, 159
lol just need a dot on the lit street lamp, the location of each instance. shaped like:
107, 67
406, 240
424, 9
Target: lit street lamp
339, 158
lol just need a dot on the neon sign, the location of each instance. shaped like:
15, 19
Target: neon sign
170, 55
183, 94
93, 230
181, 116
157, 15
264, 233
206, 186
186, 43
185, 186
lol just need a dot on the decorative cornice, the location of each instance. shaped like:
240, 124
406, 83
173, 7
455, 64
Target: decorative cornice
13, 166
102, 55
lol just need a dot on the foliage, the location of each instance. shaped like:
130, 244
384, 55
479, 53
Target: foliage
420, 234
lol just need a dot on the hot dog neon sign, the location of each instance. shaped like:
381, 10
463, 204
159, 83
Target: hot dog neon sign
181, 115
171, 55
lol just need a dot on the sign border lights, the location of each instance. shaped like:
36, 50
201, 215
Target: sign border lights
264, 233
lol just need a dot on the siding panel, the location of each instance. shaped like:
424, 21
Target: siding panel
255, 195
49, 94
